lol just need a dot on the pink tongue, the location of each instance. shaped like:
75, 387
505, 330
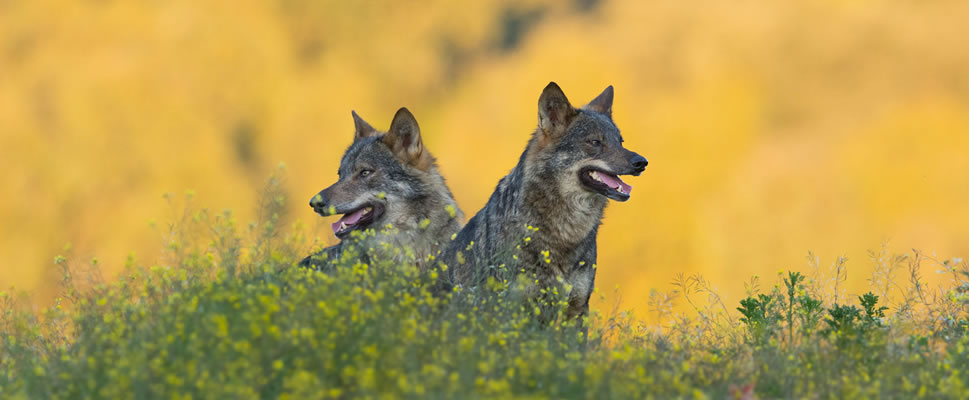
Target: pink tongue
348, 219
614, 182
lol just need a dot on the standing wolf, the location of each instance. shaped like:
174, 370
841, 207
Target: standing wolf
389, 182
543, 217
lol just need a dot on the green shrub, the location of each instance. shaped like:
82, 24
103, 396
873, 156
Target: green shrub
225, 314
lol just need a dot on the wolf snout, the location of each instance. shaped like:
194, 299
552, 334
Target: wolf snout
639, 163
318, 202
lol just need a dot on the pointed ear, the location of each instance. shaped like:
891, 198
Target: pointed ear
404, 137
602, 103
554, 111
361, 128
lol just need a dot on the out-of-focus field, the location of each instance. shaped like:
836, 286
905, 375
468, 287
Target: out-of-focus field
772, 128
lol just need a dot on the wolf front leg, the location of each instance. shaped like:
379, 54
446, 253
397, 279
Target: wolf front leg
583, 277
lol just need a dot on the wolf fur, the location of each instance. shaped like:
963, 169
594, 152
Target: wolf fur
395, 177
543, 217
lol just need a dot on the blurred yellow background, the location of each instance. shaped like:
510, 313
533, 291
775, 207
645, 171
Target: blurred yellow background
773, 128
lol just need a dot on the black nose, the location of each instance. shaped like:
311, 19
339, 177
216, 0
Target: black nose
318, 201
639, 162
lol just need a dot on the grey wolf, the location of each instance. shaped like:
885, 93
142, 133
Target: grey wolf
543, 217
389, 192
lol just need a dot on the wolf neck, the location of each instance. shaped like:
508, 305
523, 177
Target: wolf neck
432, 218
565, 216
444, 215
413, 239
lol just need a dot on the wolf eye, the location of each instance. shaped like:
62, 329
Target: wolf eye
365, 173
595, 142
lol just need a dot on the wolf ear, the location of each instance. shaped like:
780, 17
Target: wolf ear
361, 128
602, 103
554, 111
404, 138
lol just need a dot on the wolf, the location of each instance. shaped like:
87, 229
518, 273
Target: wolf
543, 217
389, 192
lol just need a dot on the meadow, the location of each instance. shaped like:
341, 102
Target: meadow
829, 126
807, 170
225, 314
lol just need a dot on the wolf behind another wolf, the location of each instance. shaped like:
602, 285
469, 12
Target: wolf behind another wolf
389, 192
543, 217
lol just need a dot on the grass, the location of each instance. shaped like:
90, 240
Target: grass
224, 314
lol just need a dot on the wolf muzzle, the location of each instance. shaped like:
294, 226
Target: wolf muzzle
638, 162
319, 202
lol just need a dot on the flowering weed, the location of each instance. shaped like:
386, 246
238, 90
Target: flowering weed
226, 315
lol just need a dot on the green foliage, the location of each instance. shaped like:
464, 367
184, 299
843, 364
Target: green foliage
801, 345
757, 314
226, 315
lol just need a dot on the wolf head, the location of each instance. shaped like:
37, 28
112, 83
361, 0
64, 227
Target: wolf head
581, 149
385, 178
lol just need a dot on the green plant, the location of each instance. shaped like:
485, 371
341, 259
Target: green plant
226, 315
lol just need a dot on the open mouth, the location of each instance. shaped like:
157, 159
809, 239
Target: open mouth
359, 218
605, 183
